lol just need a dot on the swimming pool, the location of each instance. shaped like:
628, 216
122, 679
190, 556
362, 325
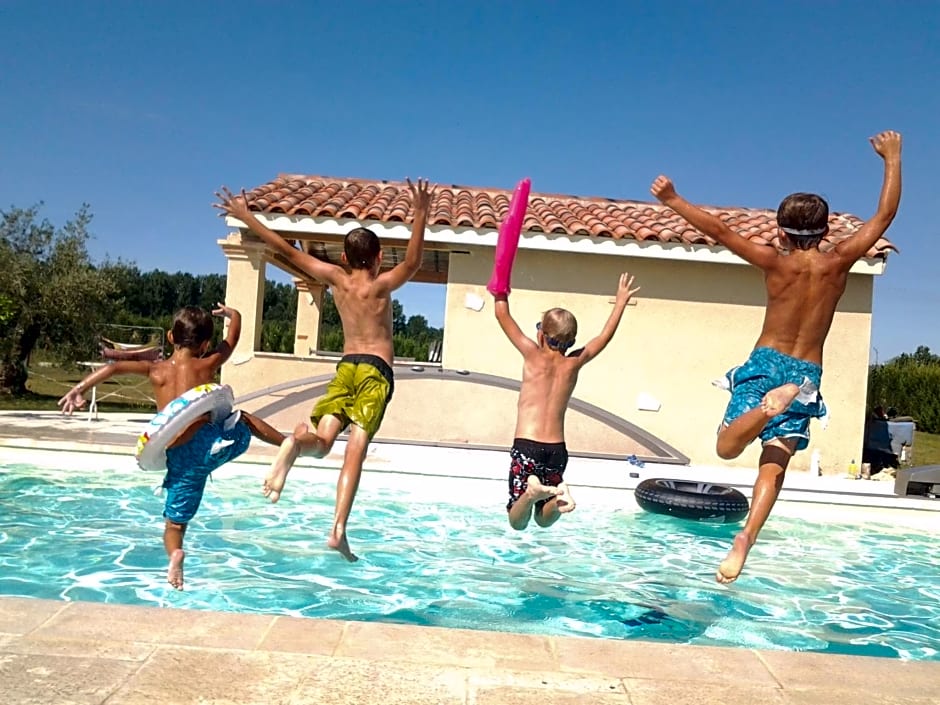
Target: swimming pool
437, 551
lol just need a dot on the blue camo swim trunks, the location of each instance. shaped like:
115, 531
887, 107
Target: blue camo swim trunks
767, 369
189, 465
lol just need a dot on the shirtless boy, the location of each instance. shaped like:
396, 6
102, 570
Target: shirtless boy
359, 393
205, 445
549, 374
776, 392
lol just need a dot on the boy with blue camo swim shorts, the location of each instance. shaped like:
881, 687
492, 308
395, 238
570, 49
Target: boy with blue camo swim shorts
206, 444
359, 394
776, 392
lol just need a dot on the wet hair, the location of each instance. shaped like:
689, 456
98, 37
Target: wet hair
804, 217
362, 248
560, 327
192, 326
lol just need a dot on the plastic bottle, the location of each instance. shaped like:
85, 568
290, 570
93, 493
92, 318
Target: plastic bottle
853, 470
814, 468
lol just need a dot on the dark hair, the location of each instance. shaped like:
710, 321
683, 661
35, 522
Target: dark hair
192, 326
804, 217
362, 248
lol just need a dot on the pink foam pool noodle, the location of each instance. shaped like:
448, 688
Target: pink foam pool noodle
508, 241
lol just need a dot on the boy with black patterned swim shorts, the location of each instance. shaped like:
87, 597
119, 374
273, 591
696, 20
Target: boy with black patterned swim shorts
776, 392
549, 374
359, 394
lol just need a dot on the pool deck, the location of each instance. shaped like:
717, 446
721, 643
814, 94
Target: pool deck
85, 653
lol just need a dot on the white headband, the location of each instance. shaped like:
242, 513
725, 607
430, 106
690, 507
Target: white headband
804, 233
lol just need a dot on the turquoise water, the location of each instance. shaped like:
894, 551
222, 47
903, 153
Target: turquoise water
446, 558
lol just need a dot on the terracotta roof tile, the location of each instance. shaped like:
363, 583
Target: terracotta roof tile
480, 208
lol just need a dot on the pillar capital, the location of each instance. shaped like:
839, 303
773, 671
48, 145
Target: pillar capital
241, 246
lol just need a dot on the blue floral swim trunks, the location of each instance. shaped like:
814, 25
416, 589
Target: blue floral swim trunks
188, 466
767, 369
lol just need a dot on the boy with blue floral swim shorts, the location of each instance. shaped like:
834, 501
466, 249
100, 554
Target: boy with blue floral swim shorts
359, 393
204, 445
539, 456
776, 392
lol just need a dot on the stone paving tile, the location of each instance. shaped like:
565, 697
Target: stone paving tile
345, 681
303, 636
456, 647
41, 645
837, 697
516, 696
36, 679
672, 692
502, 686
19, 615
638, 659
859, 674
85, 620
184, 676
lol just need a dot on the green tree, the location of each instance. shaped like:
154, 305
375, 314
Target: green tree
52, 295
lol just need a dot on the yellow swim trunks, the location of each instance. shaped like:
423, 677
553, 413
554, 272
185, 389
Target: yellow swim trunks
359, 393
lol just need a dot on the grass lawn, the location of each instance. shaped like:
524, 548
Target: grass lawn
48, 383
926, 448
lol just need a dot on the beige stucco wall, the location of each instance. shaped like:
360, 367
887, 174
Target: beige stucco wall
690, 323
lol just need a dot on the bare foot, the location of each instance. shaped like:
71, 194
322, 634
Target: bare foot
536, 491
565, 502
730, 567
277, 476
174, 574
339, 543
778, 400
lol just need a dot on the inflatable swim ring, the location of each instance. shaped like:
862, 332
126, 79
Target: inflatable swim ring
176, 417
508, 241
692, 500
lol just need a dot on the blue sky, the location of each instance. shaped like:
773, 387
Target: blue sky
143, 109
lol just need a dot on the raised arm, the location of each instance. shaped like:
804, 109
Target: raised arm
888, 146
519, 339
625, 291
74, 399
224, 350
401, 273
759, 255
237, 206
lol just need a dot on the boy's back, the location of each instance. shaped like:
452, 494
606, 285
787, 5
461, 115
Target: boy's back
548, 381
364, 304
175, 376
803, 290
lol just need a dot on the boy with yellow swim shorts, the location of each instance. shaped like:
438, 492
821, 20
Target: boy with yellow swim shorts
359, 394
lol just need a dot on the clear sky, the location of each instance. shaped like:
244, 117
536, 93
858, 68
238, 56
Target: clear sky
142, 109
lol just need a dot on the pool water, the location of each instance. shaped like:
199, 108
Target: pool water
442, 554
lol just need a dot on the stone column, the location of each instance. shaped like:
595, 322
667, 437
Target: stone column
307, 325
244, 289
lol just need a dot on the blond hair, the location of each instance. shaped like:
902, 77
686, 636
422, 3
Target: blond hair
560, 328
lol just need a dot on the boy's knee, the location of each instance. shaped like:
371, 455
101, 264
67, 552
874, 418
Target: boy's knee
727, 451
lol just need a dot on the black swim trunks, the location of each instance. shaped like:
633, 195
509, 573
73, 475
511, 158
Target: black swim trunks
547, 461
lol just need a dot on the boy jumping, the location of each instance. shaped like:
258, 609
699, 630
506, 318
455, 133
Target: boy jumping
363, 385
549, 374
776, 392
205, 445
